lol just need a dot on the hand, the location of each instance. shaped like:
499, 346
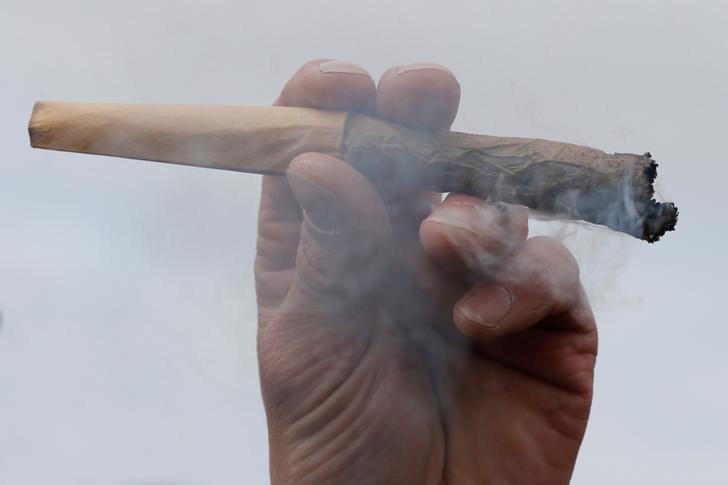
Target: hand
404, 340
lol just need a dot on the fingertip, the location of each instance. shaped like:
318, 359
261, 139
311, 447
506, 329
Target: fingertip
467, 236
320, 180
422, 95
330, 85
515, 217
313, 164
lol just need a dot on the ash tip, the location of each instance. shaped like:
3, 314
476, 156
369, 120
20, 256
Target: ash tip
659, 219
650, 170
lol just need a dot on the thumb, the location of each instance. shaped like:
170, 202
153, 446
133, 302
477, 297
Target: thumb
340, 257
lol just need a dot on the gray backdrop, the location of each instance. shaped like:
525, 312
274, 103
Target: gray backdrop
127, 352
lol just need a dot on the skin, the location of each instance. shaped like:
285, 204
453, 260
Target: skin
374, 366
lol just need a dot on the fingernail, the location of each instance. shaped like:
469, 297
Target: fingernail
319, 205
341, 67
488, 306
467, 217
422, 66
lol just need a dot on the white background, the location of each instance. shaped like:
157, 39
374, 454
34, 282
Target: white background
127, 352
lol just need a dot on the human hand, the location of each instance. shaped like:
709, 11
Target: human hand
404, 340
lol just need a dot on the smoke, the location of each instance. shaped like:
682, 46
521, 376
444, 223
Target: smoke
602, 254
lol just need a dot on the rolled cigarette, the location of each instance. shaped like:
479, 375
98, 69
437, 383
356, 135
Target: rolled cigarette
570, 181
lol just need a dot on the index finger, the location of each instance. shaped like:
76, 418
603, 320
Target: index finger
330, 85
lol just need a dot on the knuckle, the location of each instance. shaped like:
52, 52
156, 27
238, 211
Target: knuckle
315, 269
553, 253
554, 270
342, 268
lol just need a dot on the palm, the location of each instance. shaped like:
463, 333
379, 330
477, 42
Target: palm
407, 399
